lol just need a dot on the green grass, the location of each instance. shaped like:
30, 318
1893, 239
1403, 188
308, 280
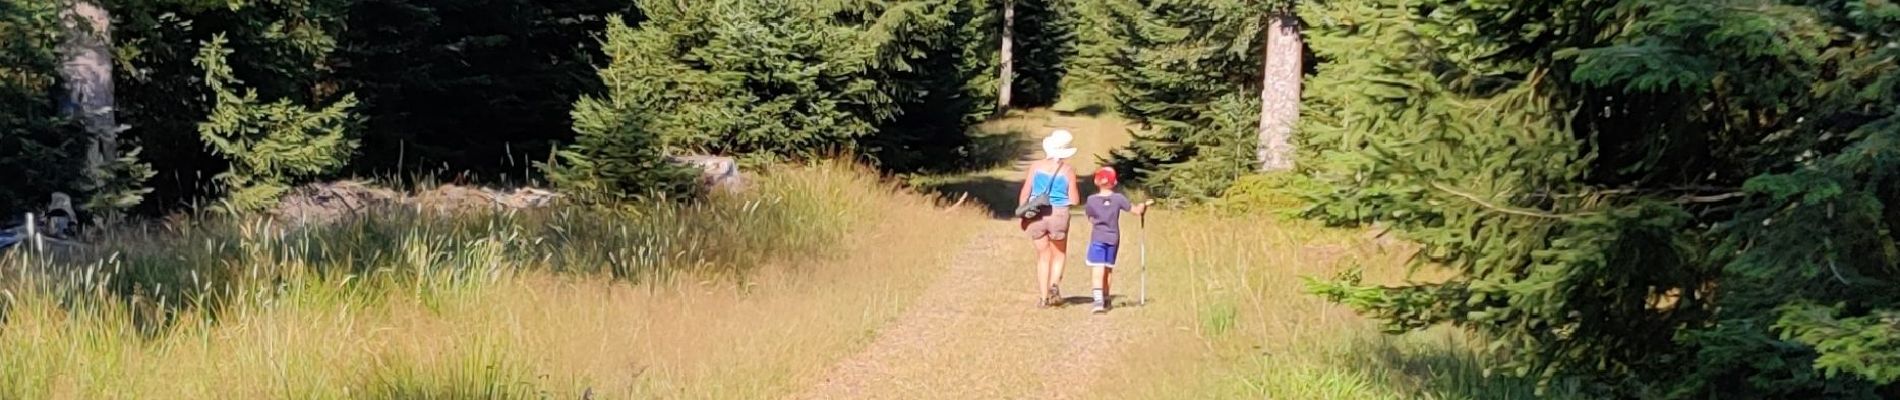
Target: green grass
1226, 289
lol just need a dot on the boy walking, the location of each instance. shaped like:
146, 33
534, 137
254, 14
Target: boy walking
1104, 210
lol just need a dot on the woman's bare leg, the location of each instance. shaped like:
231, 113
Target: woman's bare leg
1059, 250
1043, 255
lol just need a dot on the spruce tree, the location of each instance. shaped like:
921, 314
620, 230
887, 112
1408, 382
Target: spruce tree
1045, 46
480, 86
615, 156
769, 80
1184, 69
936, 61
271, 145
1089, 76
1664, 199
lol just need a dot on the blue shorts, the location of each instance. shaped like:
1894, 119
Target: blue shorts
1102, 254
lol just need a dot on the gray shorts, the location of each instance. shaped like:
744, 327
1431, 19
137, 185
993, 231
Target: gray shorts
1053, 224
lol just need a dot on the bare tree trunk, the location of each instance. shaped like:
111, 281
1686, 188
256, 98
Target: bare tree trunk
1280, 91
1009, 57
86, 65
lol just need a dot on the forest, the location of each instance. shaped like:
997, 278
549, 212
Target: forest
1631, 198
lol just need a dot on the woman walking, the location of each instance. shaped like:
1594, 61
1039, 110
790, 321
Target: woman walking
1048, 191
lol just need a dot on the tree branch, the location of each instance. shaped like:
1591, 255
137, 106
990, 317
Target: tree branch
1505, 209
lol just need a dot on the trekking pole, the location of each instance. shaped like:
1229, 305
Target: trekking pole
1144, 257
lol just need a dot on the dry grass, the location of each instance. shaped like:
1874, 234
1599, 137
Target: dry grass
522, 331
1228, 318
1095, 136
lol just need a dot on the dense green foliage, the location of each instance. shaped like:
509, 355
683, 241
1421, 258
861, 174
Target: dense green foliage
1046, 40
443, 86
478, 85
459, 88
1667, 199
269, 143
767, 80
42, 152
1190, 71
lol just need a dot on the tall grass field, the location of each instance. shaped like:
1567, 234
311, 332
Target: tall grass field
1236, 321
727, 298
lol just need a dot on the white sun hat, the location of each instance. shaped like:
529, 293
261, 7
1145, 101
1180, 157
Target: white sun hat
1059, 145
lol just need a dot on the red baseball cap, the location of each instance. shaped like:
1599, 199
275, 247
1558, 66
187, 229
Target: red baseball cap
1105, 176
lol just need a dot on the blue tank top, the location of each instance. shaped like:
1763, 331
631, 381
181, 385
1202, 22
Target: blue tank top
1059, 196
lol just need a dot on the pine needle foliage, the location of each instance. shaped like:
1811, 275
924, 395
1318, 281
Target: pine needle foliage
1664, 199
270, 144
774, 80
1189, 70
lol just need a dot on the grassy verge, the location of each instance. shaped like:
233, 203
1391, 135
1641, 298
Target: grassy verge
1231, 320
735, 297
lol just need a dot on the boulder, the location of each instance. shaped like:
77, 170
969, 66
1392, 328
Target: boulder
327, 202
454, 198
715, 173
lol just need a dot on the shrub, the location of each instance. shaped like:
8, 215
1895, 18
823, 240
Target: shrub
1280, 194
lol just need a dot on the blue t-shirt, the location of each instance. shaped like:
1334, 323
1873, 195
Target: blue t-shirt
1105, 215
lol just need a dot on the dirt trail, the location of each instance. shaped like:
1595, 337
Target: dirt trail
976, 333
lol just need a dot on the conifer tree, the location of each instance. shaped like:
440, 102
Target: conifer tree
270, 144
1045, 46
477, 85
1185, 69
1089, 78
615, 155
1663, 199
767, 80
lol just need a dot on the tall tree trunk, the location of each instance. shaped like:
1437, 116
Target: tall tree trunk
1280, 91
1008, 66
86, 66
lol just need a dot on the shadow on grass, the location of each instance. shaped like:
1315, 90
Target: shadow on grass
1444, 365
983, 179
995, 150
1090, 110
1116, 300
996, 194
